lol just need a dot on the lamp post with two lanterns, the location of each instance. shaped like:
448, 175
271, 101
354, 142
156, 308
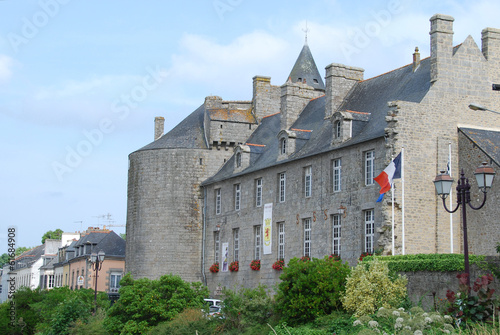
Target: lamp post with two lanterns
96, 261
484, 177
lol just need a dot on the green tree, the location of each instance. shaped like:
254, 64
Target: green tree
52, 235
20, 250
4, 258
144, 303
310, 288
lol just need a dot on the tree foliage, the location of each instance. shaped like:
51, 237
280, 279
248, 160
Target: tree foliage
144, 303
310, 288
20, 250
52, 235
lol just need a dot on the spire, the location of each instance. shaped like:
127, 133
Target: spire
305, 70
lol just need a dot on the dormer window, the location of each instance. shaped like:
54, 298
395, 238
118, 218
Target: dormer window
238, 159
283, 146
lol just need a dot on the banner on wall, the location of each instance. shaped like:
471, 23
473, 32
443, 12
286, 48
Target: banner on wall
225, 250
268, 228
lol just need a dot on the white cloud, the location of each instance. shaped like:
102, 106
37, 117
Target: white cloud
6, 64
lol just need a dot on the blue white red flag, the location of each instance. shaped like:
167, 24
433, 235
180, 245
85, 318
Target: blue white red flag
385, 179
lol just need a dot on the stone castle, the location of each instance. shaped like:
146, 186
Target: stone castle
290, 172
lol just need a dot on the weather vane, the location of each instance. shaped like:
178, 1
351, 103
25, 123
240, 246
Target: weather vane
306, 31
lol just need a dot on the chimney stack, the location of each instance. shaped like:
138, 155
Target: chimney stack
159, 127
490, 38
441, 45
416, 59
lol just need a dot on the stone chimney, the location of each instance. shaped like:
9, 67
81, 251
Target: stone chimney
213, 102
490, 38
441, 45
159, 126
266, 97
416, 59
339, 81
294, 97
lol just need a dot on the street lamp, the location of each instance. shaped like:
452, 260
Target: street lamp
476, 107
484, 177
96, 265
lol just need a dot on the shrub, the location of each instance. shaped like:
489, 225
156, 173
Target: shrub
144, 303
190, 321
369, 287
246, 308
309, 289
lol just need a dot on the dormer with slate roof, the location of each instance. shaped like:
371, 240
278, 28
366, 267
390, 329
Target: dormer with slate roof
241, 157
286, 140
346, 123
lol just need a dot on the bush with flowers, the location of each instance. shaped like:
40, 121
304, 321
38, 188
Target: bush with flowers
364, 254
279, 265
234, 266
305, 259
255, 265
335, 257
214, 268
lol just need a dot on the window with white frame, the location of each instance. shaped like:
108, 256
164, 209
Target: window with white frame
281, 240
114, 281
257, 241
337, 129
369, 167
337, 175
236, 244
237, 197
308, 181
51, 281
336, 223
258, 192
282, 186
369, 230
216, 246
307, 237
283, 146
218, 201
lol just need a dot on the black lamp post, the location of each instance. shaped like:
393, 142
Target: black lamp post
484, 177
96, 264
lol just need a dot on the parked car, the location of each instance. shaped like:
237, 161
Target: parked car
214, 307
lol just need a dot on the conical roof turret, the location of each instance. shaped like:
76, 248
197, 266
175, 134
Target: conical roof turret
305, 70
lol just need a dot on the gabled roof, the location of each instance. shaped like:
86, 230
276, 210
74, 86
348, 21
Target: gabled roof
27, 258
107, 241
305, 69
488, 141
367, 102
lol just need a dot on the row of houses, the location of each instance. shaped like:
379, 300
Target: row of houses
66, 262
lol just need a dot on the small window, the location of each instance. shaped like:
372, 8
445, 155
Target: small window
249, 126
282, 186
336, 223
201, 161
257, 241
114, 282
281, 240
217, 201
369, 230
216, 246
315, 81
338, 129
236, 243
238, 159
220, 126
308, 181
337, 174
307, 238
258, 192
237, 197
300, 79
283, 146
369, 167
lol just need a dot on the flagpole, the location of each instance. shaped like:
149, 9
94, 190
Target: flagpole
451, 199
392, 194
403, 197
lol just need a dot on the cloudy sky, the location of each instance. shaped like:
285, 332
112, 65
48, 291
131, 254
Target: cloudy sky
81, 82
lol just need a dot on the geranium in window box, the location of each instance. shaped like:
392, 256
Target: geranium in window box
279, 264
255, 265
305, 258
364, 254
234, 266
214, 268
335, 257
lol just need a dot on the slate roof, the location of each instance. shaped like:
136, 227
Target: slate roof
369, 96
27, 258
305, 68
107, 241
188, 134
488, 141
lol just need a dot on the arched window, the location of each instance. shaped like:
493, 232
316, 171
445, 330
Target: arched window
283, 146
238, 159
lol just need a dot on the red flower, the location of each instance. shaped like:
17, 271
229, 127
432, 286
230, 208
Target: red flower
214, 268
279, 264
255, 264
234, 266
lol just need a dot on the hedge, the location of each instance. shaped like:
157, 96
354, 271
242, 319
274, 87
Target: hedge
426, 262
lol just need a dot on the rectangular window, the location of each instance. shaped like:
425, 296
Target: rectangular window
307, 237
258, 241
337, 170
336, 223
281, 240
258, 192
308, 181
217, 201
369, 167
236, 243
369, 230
51, 281
216, 246
282, 186
237, 197
114, 282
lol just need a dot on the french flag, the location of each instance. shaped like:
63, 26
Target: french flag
384, 179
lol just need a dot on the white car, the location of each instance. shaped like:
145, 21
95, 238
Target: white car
214, 307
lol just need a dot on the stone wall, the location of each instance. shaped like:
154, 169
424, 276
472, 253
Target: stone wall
266, 97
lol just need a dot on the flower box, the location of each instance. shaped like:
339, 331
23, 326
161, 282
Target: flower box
214, 268
255, 265
234, 266
279, 264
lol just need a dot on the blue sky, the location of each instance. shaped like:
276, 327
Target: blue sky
81, 82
